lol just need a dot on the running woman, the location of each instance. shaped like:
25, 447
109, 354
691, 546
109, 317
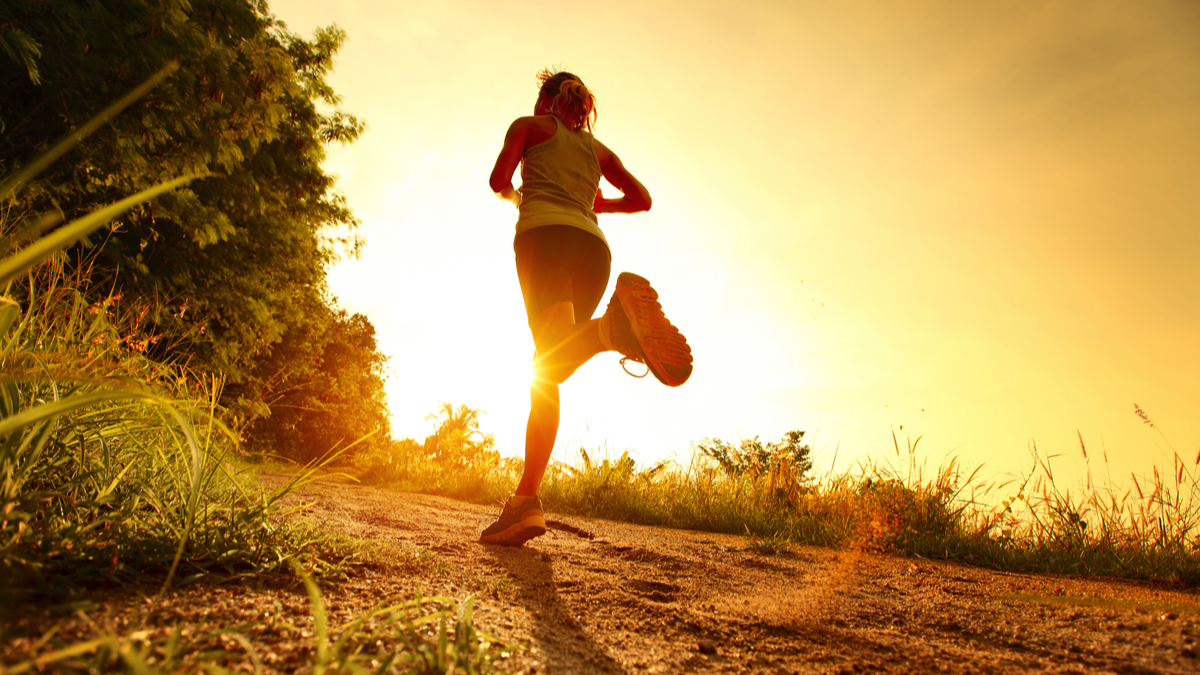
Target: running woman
563, 264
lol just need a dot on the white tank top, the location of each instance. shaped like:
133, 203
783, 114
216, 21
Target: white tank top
559, 177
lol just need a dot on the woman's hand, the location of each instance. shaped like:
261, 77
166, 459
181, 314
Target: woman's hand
509, 194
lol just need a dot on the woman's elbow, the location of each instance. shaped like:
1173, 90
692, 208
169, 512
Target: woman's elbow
497, 183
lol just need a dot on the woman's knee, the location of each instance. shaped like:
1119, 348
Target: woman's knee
551, 370
543, 394
554, 328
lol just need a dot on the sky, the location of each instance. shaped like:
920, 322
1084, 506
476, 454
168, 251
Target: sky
973, 224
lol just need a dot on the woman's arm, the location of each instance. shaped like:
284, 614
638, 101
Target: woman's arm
509, 160
634, 196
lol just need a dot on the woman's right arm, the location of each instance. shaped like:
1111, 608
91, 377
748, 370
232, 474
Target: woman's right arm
508, 161
634, 196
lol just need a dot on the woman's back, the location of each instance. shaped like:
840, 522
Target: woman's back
559, 178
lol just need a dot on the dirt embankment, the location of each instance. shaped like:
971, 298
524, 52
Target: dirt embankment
604, 597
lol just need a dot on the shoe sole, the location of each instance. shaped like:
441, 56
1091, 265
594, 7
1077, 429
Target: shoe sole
627, 282
518, 533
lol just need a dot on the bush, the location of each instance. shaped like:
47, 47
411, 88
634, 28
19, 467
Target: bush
456, 460
784, 466
767, 492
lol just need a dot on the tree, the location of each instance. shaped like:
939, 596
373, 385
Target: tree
322, 386
23, 50
753, 459
778, 471
457, 440
246, 248
235, 264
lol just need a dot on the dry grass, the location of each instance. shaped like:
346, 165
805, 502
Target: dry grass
893, 504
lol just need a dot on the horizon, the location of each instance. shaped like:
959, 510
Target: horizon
973, 225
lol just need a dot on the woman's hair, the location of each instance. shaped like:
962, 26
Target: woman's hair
569, 98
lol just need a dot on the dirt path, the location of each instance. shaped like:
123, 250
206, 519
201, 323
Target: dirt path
623, 598
615, 598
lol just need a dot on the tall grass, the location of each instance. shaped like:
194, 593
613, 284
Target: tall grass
111, 464
137, 473
1148, 529
892, 504
473, 472
115, 468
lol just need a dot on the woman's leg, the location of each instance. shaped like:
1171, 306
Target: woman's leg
540, 432
564, 273
563, 346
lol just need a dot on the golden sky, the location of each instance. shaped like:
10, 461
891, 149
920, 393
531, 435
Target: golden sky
978, 221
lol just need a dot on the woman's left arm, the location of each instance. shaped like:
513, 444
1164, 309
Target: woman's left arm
507, 162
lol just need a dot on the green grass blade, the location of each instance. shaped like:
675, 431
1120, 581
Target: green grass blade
320, 620
194, 497
41, 662
69, 404
72, 139
42, 225
19, 262
10, 311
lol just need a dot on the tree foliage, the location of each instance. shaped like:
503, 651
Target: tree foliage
457, 440
323, 388
23, 50
754, 459
782, 469
245, 248
234, 264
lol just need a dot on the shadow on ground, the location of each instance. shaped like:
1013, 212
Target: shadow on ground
565, 643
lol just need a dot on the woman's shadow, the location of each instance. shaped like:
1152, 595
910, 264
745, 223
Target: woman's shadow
565, 642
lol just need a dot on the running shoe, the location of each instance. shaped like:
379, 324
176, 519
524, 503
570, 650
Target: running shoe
638, 329
520, 521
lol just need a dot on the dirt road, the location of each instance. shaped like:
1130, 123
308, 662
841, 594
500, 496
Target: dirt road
603, 597
613, 598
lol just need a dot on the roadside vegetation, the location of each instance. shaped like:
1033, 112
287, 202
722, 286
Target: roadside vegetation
116, 470
164, 319
768, 491
227, 273
164, 315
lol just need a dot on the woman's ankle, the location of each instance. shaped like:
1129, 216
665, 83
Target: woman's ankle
605, 329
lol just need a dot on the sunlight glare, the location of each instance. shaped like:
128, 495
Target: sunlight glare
977, 224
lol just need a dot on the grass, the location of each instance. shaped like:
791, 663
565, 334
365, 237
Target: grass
475, 473
1150, 531
425, 634
400, 638
135, 478
116, 472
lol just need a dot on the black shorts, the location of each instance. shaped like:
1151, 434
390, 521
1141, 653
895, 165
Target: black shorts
560, 263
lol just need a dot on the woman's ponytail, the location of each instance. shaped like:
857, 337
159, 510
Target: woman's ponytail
569, 98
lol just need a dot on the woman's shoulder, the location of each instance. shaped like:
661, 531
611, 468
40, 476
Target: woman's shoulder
537, 128
532, 122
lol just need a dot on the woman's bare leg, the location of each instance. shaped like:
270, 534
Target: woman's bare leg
563, 346
540, 433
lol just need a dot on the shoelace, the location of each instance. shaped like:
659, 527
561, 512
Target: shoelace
635, 360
